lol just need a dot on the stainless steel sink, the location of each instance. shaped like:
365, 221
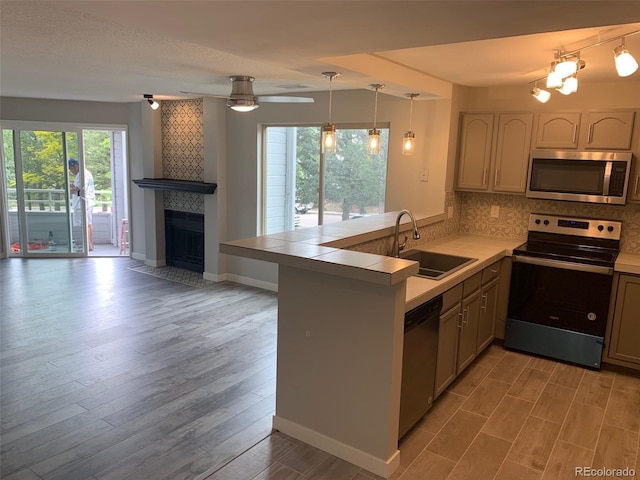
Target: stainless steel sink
436, 266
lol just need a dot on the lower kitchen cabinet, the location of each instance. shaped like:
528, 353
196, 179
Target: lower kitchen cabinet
624, 331
502, 307
488, 309
458, 331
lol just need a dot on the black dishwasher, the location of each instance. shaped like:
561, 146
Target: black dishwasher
419, 356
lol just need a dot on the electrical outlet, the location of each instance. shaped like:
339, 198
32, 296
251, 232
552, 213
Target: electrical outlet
450, 211
424, 175
495, 211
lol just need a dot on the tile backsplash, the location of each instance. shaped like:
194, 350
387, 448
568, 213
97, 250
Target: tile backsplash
472, 214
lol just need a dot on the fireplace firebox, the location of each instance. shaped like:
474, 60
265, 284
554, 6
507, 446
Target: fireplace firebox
184, 239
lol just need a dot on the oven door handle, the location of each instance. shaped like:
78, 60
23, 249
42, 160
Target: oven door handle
543, 262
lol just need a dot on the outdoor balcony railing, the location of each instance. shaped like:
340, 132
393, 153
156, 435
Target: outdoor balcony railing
53, 200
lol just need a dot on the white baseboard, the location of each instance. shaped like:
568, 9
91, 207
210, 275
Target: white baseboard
252, 282
212, 277
381, 467
138, 256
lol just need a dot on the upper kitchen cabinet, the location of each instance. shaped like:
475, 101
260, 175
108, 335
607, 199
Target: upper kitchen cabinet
476, 135
494, 159
558, 130
587, 131
608, 130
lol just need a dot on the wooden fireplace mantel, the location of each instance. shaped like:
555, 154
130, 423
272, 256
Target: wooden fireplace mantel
177, 185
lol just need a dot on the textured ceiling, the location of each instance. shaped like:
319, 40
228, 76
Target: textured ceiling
118, 50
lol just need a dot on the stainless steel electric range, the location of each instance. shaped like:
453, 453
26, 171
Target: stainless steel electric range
561, 287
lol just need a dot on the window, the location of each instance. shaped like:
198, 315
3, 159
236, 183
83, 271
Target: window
303, 188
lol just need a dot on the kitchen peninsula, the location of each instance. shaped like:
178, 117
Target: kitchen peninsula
341, 327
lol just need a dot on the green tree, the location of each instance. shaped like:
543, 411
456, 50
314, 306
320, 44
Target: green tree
307, 165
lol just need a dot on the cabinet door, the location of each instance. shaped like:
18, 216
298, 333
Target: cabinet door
512, 152
468, 338
476, 136
503, 297
609, 130
488, 309
558, 130
450, 325
625, 332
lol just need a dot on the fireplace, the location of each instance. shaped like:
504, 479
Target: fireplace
184, 239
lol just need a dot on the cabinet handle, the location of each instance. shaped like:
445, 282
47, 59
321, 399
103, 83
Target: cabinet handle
494, 271
460, 317
484, 302
484, 176
635, 188
465, 317
590, 137
575, 130
495, 180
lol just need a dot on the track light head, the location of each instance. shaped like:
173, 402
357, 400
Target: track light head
152, 102
625, 63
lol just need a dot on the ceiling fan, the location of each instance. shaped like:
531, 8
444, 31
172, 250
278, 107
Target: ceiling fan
242, 98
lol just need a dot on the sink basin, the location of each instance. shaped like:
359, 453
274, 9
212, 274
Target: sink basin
436, 266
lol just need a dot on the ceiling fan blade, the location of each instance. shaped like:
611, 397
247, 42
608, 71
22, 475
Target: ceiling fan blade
279, 99
198, 94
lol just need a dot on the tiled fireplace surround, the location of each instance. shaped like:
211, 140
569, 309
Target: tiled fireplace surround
183, 159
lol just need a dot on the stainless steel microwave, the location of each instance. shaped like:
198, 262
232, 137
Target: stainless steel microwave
592, 177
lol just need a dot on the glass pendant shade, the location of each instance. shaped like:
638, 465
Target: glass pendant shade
554, 80
329, 140
569, 86
566, 68
409, 143
373, 145
542, 96
625, 63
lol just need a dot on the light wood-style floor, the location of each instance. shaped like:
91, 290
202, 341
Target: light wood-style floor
509, 417
110, 373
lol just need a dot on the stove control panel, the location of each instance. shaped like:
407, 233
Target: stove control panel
583, 227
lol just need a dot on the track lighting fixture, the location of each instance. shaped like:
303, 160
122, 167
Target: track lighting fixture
563, 74
373, 145
542, 96
329, 138
152, 102
625, 63
409, 140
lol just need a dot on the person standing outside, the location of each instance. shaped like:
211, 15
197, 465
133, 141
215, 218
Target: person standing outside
82, 198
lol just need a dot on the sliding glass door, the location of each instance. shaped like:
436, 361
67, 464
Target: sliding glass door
38, 191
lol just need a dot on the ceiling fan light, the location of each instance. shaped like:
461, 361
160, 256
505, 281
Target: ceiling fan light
242, 104
542, 96
625, 63
409, 143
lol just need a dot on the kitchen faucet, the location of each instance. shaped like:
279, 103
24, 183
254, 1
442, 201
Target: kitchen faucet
397, 246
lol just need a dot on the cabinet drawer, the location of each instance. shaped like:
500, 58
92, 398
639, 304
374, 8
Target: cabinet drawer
451, 297
472, 284
491, 272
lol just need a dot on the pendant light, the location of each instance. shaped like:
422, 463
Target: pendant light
329, 138
409, 140
625, 63
373, 144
